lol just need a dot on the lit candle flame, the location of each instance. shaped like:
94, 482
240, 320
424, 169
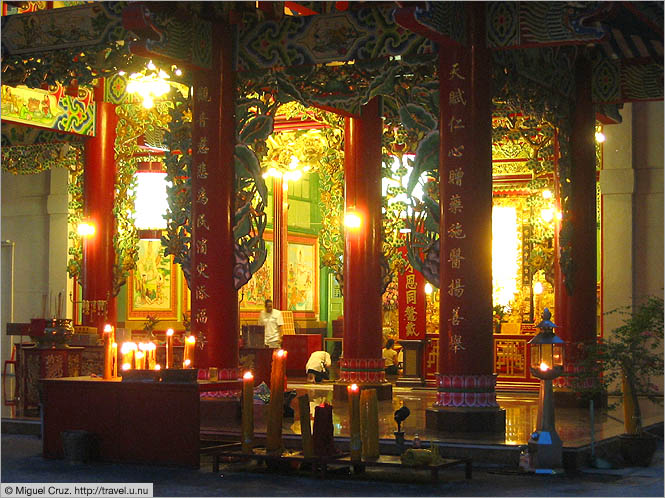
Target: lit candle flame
191, 339
281, 353
127, 347
544, 366
126, 366
248, 376
158, 366
353, 387
188, 362
108, 328
169, 332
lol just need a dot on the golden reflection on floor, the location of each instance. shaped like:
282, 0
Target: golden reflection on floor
572, 424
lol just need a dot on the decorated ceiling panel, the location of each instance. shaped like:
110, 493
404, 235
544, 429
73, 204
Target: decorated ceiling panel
361, 34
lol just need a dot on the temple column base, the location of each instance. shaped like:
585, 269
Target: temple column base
384, 390
451, 419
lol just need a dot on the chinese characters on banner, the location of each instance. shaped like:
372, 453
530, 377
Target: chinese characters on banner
456, 197
201, 257
411, 303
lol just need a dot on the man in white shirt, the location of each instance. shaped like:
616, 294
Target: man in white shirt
317, 366
272, 321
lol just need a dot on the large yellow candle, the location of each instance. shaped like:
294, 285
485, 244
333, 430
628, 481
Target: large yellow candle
247, 412
188, 357
139, 356
169, 348
355, 443
127, 352
276, 405
151, 355
305, 427
108, 346
369, 423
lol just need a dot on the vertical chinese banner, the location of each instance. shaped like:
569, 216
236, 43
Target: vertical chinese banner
465, 342
214, 297
411, 303
203, 109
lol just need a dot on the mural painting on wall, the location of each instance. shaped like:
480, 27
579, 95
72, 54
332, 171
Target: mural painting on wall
152, 288
259, 288
302, 276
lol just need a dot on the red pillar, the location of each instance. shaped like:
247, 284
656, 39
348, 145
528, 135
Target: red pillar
466, 352
580, 319
214, 297
362, 361
98, 194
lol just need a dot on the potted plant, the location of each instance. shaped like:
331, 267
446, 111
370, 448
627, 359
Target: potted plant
633, 355
149, 326
498, 313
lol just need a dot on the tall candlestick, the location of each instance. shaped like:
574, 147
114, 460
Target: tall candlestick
151, 355
188, 358
128, 350
324, 443
369, 423
169, 348
247, 412
355, 442
276, 405
108, 359
305, 426
139, 357
114, 359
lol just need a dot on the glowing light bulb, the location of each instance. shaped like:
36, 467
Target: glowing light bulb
352, 219
353, 387
85, 229
158, 366
248, 376
544, 367
600, 137
187, 362
178, 72
281, 353
191, 339
547, 215
169, 332
126, 366
108, 328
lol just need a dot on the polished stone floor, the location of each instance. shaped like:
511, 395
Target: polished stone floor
573, 425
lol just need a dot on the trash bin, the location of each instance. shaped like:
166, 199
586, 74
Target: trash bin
77, 446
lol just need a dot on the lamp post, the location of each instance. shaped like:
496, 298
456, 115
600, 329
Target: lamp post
545, 445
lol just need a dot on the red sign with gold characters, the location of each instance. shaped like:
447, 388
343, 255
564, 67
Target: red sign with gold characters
411, 303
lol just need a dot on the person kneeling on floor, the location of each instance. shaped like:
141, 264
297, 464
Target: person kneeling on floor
317, 366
